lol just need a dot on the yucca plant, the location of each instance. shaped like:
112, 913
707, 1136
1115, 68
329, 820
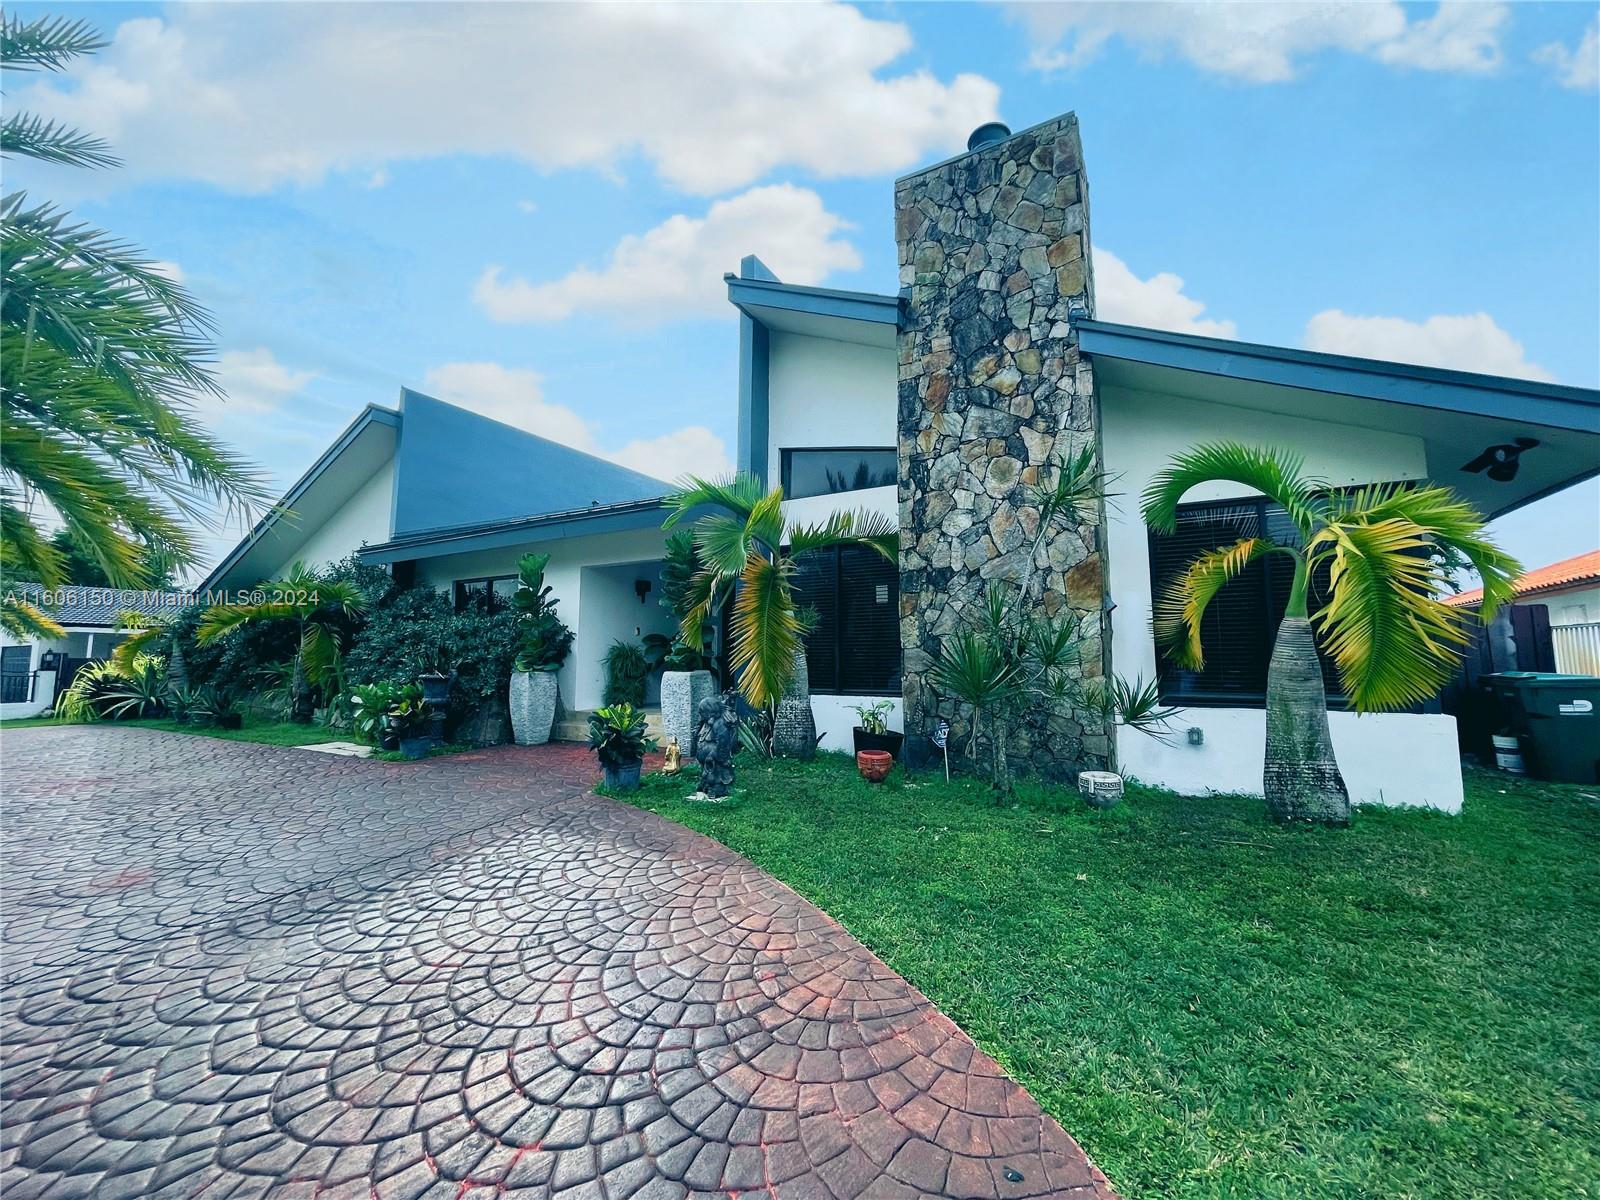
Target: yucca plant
102, 357
748, 550
1385, 548
317, 606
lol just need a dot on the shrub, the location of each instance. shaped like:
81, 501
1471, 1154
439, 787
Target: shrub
546, 641
617, 735
627, 672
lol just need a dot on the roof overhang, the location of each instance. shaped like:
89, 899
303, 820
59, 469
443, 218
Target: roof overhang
863, 317
1458, 415
492, 535
364, 446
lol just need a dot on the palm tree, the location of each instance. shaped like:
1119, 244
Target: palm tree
749, 551
316, 605
102, 357
1384, 548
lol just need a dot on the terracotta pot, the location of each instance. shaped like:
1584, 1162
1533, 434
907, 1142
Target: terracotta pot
874, 765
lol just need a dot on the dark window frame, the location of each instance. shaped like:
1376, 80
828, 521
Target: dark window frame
839, 648
1274, 572
460, 595
786, 466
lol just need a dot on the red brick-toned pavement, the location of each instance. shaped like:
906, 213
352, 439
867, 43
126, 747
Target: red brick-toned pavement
239, 971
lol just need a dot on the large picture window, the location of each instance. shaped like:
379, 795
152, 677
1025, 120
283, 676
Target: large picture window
491, 594
854, 648
1241, 621
826, 472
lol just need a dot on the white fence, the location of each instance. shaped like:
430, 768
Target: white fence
1577, 648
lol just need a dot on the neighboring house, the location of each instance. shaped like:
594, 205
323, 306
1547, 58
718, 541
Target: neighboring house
1570, 592
34, 671
938, 406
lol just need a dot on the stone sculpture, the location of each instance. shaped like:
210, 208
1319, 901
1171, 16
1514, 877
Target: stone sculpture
716, 735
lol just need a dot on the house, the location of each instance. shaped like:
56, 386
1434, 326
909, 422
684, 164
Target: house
1569, 590
938, 405
34, 671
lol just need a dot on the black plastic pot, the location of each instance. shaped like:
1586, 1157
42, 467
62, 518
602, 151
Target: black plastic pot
624, 778
890, 741
435, 687
388, 740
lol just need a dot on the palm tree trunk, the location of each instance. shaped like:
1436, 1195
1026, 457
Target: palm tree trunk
177, 666
794, 727
301, 703
1301, 780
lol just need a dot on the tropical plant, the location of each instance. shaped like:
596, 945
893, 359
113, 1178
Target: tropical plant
627, 674
874, 717
185, 704
681, 561
137, 691
102, 358
1137, 705
161, 634
408, 715
369, 704
316, 607
545, 639
746, 549
80, 700
1383, 550
617, 735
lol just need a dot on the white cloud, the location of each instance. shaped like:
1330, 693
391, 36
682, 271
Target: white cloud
715, 96
171, 270
378, 179
676, 269
1157, 302
256, 382
527, 206
1264, 42
515, 396
1578, 69
1470, 342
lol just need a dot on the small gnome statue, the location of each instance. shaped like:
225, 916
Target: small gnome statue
673, 761
716, 734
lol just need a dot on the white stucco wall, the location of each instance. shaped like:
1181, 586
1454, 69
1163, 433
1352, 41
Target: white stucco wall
1386, 759
595, 623
822, 392
836, 719
362, 519
1569, 606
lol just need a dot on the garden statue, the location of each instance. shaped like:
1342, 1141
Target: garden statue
673, 759
716, 734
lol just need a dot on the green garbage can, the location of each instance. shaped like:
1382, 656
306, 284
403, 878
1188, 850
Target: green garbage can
1557, 720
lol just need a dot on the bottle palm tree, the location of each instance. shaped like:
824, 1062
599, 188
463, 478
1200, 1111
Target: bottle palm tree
1393, 641
750, 551
102, 357
316, 605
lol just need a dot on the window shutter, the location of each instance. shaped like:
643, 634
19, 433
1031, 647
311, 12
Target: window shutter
816, 580
869, 591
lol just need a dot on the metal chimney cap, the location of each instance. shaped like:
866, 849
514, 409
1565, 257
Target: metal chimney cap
988, 134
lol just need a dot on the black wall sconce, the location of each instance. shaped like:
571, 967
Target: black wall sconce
642, 587
1501, 462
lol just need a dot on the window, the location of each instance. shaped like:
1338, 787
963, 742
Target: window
16, 663
854, 648
492, 594
1242, 619
824, 472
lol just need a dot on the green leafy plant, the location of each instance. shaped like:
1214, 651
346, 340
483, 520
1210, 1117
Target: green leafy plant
104, 365
187, 704
1137, 705
746, 549
80, 701
681, 562
617, 735
545, 640
408, 716
627, 674
315, 606
874, 717
140, 691
1385, 549
369, 704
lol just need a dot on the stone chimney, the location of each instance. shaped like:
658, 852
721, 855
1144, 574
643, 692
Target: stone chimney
994, 259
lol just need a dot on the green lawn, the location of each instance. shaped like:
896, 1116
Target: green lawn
1217, 1007
271, 733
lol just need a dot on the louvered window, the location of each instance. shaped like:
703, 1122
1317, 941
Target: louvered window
854, 647
1241, 621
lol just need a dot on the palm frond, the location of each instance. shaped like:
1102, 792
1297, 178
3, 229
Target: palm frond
24, 549
45, 43
766, 631
1181, 607
1074, 486
859, 528
764, 525
221, 618
972, 669
738, 494
50, 141
723, 543
1278, 474
22, 619
1394, 643
319, 653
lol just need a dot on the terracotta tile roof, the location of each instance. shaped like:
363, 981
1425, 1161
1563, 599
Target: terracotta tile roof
1578, 569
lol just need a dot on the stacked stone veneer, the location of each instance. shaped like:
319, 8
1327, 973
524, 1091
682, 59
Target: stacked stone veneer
994, 248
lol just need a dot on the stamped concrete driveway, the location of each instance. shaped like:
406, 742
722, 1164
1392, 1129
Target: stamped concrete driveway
236, 971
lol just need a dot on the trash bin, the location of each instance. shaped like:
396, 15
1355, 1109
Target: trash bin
1557, 720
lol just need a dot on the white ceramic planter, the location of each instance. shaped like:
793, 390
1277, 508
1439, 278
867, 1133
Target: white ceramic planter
681, 693
533, 706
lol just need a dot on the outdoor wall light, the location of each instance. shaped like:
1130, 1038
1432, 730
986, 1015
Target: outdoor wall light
1197, 736
642, 587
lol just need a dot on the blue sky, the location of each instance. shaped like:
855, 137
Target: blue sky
529, 208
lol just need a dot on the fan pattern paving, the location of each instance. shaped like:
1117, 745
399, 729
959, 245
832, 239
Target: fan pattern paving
241, 971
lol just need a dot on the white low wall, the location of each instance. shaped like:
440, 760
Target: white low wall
1396, 759
836, 719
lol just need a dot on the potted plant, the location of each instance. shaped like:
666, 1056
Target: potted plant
685, 666
408, 720
369, 705
874, 733
544, 643
617, 736
435, 686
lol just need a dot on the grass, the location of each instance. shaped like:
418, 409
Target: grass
1217, 1007
267, 732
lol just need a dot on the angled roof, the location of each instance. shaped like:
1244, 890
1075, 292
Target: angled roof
100, 607
516, 531
455, 467
1580, 568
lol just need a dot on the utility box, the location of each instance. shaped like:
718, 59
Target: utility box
1557, 720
